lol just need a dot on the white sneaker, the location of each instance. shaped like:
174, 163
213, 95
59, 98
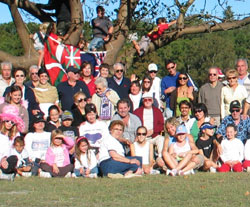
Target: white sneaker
73, 175
212, 170
4, 176
93, 175
133, 36
154, 172
68, 175
43, 174
26, 174
173, 172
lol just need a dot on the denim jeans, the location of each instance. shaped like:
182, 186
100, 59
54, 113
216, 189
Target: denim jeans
92, 171
112, 166
96, 43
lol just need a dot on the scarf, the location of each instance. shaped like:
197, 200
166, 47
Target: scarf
106, 106
46, 93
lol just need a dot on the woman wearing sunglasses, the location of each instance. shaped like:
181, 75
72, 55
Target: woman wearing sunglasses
232, 91
182, 92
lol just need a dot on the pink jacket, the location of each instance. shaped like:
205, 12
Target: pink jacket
50, 156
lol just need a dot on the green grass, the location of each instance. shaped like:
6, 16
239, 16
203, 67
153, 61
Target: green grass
201, 189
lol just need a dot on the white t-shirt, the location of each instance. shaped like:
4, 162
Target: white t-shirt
110, 144
59, 155
136, 99
247, 150
21, 156
37, 144
143, 151
148, 118
4, 146
85, 163
94, 132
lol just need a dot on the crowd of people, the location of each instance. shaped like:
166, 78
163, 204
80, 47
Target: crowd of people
118, 127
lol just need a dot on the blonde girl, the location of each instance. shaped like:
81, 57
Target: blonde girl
85, 159
57, 162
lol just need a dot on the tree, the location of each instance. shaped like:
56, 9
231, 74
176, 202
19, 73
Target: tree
129, 15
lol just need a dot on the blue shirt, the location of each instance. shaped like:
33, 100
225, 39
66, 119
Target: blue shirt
169, 81
243, 128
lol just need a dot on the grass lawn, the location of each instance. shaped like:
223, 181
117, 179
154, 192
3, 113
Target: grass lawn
201, 189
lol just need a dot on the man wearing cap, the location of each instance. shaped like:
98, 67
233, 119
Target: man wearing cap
243, 125
210, 95
67, 89
5, 78
131, 121
156, 86
118, 82
169, 84
152, 118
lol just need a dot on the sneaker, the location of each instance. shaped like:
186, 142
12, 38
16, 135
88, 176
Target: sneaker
173, 172
248, 169
154, 172
73, 175
9, 177
132, 175
115, 175
212, 170
168, 172
26, 174
93, 175
43, 174
68, 175
133, 37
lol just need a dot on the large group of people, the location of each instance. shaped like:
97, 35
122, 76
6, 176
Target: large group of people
113, 126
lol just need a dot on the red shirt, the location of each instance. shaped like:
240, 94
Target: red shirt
91, 85
155, 34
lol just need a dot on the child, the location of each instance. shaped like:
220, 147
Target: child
57, 163
141, 147
208, 143
85, 159
38, 38
184, 154
143, 45
23, 164
246, 163
232, 151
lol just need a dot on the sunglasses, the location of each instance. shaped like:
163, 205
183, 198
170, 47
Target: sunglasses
81, 99
231, 78
141, 134
147, 99
119, 71
235, 110
198, 110
17, 76
212, 74
171, 68
9, 121
182, 78
153, 71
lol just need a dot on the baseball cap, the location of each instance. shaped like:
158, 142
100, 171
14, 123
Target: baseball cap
207, 125
147, 95
181, 129
152, 67
73, 69
67, 115
235, 104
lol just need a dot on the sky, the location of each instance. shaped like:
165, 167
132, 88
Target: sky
238, 6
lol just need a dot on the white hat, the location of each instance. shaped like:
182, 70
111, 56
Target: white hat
152, 67
147, 95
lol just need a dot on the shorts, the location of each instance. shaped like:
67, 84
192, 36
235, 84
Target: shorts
200, 163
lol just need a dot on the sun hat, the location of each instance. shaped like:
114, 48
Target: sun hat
207, 125
181, 129
147, 95
11, 113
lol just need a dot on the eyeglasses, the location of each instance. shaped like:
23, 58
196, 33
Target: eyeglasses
198, 110
9, 121
34, 73
17, 76
182, 78
153, 71
81, 99
212, 74
230, 78
141, 134
170, 68
147, 99
119, 71
76, 72
235, 110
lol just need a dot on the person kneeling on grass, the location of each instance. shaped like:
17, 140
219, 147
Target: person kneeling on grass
209, 145
232, 151
57, 162
184, 154
113, 162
